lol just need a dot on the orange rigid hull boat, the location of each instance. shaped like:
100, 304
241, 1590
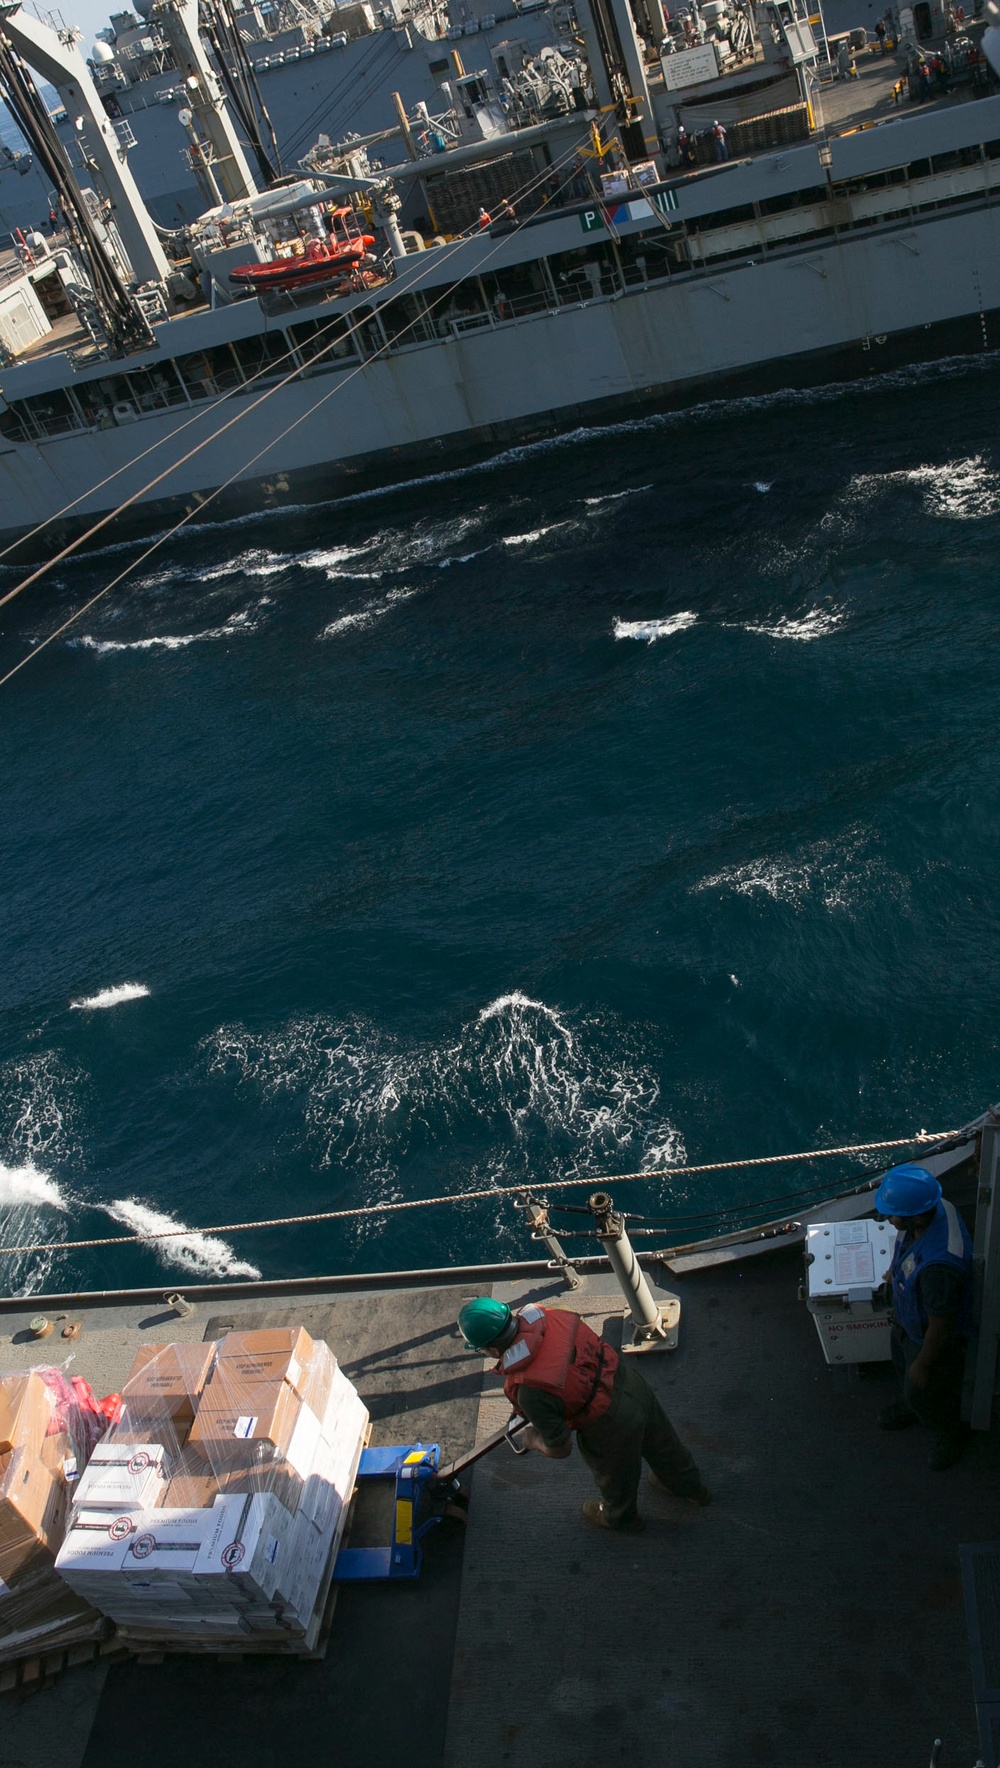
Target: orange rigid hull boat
321, 260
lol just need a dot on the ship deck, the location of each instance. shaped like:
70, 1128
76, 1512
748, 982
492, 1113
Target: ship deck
841, 107
812, 1613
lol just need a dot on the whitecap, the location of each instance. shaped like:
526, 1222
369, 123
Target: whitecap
26, 1185
522, 1086
651, 630
763, 486
367, 616
533, 534
111, 997
959, 491
616, 496
818, 623
239, 623
202, 1254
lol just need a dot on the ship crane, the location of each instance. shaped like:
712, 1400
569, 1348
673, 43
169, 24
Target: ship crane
58, 60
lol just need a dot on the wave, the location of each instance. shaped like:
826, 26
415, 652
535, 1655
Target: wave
616, 496
522, 1088
707, 411
959, 491
111, 997
202, 1254
651, 630
38, 1111
239, 623
837, 873
26, 1186
818, 623
532, 535
367, 616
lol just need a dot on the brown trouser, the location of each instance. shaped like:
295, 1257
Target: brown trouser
634, 1429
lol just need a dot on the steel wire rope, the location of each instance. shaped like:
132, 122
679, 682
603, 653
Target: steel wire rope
493, 1191
346, 83
811, 1194
272, 442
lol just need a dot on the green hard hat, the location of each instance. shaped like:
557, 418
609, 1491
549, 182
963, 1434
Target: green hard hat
483, 1321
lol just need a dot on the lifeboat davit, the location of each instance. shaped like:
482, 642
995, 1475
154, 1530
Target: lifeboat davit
322, 260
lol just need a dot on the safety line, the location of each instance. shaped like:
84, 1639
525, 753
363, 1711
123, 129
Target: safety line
286, 380
377, 1209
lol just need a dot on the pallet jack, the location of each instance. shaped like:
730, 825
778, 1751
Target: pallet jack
425, 1493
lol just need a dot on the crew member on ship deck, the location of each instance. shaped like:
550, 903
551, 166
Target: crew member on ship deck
930, 1282
562, 1378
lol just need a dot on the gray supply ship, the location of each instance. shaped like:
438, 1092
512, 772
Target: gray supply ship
824, 1608
574, 274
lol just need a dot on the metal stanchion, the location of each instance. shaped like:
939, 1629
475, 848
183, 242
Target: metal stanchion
654, 1322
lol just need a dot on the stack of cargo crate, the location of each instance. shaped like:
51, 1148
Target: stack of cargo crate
214, 1510
43, 1443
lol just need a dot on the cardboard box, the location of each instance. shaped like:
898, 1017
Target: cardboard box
122, 1476
235, 1421
252, 1547
166, 1381
282, 1354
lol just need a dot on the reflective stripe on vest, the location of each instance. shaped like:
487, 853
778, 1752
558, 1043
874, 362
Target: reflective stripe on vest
558, 1353
943, 1242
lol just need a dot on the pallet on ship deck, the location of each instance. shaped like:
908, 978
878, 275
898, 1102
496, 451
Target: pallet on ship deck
151, 1647
39, 1669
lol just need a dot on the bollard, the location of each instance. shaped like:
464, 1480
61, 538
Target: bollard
180, 1304
654, 1324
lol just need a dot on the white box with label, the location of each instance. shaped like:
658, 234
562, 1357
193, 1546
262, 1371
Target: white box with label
846, 1266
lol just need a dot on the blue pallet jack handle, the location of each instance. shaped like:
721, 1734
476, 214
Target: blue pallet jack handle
413, 1468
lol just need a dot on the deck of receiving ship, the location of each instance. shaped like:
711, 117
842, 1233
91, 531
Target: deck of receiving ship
812, 1614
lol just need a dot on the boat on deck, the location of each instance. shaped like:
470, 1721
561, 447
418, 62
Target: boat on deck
308, 260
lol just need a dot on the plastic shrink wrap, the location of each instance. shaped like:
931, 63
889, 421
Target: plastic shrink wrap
213, 1509
49, 1424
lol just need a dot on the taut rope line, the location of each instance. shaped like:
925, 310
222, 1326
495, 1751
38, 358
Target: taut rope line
376, 1209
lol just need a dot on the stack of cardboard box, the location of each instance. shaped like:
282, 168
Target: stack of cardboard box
40, 1452
215, 1509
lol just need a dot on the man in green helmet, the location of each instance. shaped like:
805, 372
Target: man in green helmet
562, 1378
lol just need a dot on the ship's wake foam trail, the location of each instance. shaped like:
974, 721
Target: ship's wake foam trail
37, 1109
524, 1092
202, 1255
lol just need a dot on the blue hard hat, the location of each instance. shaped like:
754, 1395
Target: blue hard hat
907, 1191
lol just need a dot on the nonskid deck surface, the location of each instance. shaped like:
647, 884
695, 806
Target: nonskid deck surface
812, 1613
381, 1693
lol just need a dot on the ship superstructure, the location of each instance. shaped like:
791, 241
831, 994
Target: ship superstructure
598, 281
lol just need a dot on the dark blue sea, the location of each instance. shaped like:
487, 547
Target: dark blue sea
611, 804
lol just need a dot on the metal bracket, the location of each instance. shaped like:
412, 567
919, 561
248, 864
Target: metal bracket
538, 1221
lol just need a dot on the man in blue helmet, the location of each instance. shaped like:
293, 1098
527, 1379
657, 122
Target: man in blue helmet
930, 1279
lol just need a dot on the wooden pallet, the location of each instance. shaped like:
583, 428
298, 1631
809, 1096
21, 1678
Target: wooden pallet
309, 1646
42, 1668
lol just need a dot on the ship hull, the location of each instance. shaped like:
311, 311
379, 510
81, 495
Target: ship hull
857, 307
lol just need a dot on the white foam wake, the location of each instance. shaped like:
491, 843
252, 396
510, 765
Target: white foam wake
25, 1187
367, 616
521, 1088
616, 496
532, 535
650, 630
168, 641
111, 997
835, 872
202, 1254
818, 623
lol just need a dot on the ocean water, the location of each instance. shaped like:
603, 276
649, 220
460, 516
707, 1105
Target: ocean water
623, 802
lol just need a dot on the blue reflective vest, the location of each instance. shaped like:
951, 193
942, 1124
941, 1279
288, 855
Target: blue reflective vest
944, 1242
